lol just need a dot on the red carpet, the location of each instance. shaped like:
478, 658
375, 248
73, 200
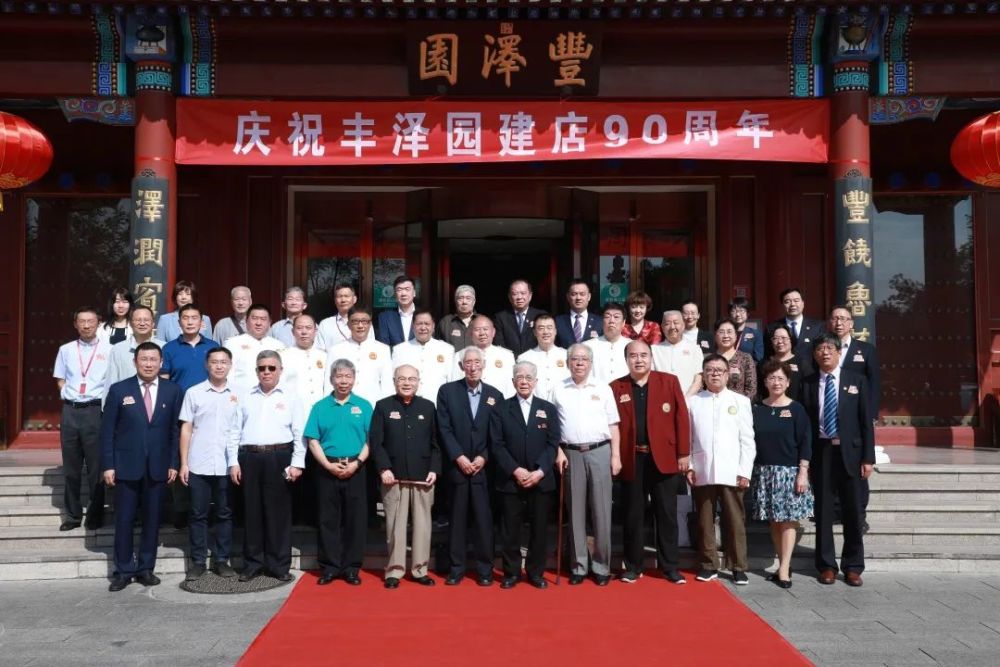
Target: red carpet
650, 622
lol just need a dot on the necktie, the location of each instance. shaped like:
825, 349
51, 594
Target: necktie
577, 329
795, 329
830, 408
147, 398
520, 321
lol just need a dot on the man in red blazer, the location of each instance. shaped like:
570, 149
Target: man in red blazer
655, 450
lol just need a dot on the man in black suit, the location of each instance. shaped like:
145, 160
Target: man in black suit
524, 439
578, 325
515, 326
803, 329
838, 403
395, 326
140, 432
463, 412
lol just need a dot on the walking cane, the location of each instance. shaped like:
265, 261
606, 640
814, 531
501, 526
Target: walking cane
559, 530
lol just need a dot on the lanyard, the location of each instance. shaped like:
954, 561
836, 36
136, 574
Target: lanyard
85, 369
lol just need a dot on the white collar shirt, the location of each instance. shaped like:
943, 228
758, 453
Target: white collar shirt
84, 367
245, 348
609, 358
498, 369
372, 367
525, 404
307, 373
406, 321
844, 344
154, 387
337, 329
722, 437
824, 379
691, 336
267, 419
586, 411
433, 359
209, 410
552, 368
682, 359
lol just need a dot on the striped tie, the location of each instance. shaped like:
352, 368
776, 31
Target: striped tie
830, 408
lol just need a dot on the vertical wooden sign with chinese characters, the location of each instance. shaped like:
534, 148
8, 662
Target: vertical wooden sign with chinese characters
504, 58
855, 275
148, 270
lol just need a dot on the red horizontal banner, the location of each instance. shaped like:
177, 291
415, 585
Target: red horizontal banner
248, 132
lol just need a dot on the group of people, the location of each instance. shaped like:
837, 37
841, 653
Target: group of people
501, 415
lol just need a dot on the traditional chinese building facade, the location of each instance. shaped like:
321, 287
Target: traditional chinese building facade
696, 150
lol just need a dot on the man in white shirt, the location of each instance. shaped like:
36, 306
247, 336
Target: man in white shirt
305, 369
549, 359
372, 360
433, 358
264, 444
81, 370
236, 324
498, 362
722, 454
246, 347
337, 328
609, 349
122, 363
676, 355
589, 449
206, 413
294, 304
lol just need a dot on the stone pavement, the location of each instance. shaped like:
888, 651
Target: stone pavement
895, 619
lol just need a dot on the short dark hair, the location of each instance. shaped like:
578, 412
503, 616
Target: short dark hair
115, 293
148, 345
545, 316
826, 338
780, 325
424, 311
840, 306
613, 305
219, 348
693, 303
639, 298
135, 309
578, 281
739, 302
722, 322
404, 279
360, 309
259, 306
85, 309
182, 285
771, 365
186, 307
344, 285
713, 356
788, 290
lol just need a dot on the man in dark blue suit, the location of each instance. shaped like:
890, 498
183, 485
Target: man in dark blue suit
804, 329
838, 403
463, 414
140, 456
524, 439
578, 325
515, 326
396, 326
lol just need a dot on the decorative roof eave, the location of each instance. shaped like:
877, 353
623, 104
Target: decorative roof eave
504, 9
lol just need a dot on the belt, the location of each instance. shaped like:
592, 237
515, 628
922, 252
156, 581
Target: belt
585, 446
263, 449
642, 449
344, 459
832, 441
82, 404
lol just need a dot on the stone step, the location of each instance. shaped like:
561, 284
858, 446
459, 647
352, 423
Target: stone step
914, 474
921, 514
34, 475
969, 492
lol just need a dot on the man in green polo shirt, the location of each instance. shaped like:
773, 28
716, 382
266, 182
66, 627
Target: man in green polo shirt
337, 434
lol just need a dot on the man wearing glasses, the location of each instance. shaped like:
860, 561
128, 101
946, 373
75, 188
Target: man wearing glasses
372, 360
265, 442
722, 454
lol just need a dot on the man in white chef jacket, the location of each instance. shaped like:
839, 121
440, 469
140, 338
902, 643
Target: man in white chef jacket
722, 454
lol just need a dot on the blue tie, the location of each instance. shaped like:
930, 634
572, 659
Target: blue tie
795, 329
830, 408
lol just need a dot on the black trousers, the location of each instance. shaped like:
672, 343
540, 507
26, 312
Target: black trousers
650, 482
533, 504
832, 481
471, 498
79, 437
130, 495
267, 511
342, 509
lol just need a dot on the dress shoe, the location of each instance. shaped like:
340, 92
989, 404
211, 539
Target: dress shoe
827, 577
576, 579
707, 575
196, 572
674, 577
118, 583
286, 576
224, 569
249, 575
602, 579
391, 582
509, 582
181, 522
484, 580
538, 582
784, 583
423, 581
69, 525
93, 523
147, 579
630, 577
865, 527
454, 579
352, 578
326, 578
740, 578
853, 579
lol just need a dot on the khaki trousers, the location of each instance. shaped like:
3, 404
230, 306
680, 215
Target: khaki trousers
403, 502
733, 525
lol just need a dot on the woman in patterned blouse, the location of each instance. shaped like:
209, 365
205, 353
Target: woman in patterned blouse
742, 369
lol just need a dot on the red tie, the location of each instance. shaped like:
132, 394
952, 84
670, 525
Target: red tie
147, 398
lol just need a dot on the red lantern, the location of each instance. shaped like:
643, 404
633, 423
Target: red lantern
25, 153
976, 151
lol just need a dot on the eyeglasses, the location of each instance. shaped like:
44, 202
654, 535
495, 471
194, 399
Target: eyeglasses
269, 369
841, 318
354, 321
524, 378
716, 371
